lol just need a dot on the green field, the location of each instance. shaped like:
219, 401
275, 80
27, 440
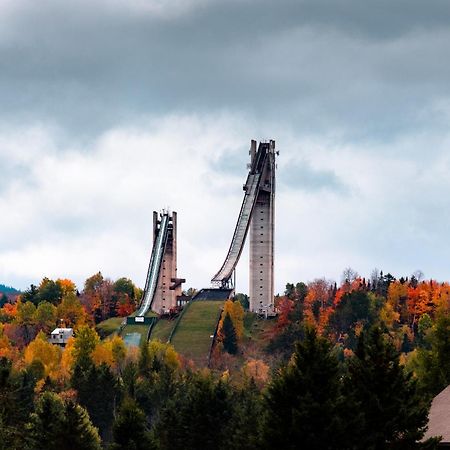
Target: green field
192, 337
108, 327
162, 329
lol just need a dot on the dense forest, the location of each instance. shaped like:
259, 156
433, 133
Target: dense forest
352, 365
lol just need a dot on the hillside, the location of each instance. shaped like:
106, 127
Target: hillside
193, 335
8, 290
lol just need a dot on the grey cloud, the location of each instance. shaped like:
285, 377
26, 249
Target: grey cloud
300, 175
312, 65
231, 161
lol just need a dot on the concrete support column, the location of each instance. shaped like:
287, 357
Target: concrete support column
262, 229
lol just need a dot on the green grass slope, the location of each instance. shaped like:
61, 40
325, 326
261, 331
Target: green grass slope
108, 326
192, 337
161, 331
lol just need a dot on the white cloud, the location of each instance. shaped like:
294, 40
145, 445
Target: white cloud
76, 211
81, 211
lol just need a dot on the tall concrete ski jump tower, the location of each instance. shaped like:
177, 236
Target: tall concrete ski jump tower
262, 227
257, 213
162, 287
169, 286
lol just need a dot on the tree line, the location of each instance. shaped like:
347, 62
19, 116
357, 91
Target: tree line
152, 399
346, 366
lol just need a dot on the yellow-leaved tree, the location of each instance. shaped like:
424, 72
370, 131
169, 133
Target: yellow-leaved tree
67, 359
48, 354
164, 353
236, 312
119, 352
103, 354
112, 352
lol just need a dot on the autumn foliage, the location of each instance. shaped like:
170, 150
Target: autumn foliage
342, 312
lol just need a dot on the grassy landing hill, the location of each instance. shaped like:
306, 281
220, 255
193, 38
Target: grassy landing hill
163, 329
192, 335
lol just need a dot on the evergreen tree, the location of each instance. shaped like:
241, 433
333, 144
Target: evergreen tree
31, 295
196, 417
129, 379
16, 403
59, 425
97, 391
433, 362
229, 335
46, 425
129, 429
284, 343
3, 300
79, 432
244, 429
158, 372
145, 359
50, 291
354, 307
305, 409
423, 326
394, 414
86, 340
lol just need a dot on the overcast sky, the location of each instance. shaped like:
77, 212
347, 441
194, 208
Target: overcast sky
111, 109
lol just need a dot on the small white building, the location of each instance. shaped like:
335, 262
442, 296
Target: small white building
60, 336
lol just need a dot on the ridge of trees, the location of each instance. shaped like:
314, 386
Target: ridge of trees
349, 366
8, 290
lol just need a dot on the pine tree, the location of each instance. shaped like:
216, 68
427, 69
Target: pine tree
96, 388
79, 433
196, 417
304, 405
16, 402
46, 425
129, 429
229, 335
394, 414
59, 425
243, 430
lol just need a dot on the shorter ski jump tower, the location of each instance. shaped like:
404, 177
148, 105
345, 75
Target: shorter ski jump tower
257, 214
162, 287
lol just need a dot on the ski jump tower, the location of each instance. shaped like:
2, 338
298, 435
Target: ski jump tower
257, 213
162, 287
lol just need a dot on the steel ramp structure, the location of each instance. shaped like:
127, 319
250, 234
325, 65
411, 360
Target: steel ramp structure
257, 214
161, 285
223, 276
154, 266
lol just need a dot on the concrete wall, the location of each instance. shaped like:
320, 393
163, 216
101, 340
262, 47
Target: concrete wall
262, 229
